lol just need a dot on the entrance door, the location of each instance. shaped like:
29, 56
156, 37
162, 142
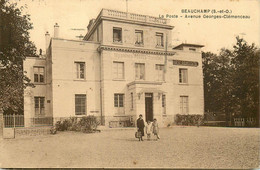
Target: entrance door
148, 106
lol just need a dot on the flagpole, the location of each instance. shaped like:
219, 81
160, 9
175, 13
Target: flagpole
126, 5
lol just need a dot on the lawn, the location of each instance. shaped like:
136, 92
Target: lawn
179, 147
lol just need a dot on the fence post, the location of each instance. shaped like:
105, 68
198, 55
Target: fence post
14, 124
1, 122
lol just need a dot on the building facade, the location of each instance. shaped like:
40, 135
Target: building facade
124, 66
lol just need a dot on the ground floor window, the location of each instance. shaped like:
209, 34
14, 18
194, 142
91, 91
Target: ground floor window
184, 104
118, 100
119, 104
39, 106
132, 101
80, 104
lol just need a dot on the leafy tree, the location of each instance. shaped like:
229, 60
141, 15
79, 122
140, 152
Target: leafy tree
15, 46
245, 60
231, 80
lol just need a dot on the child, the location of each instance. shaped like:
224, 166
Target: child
155, 128
148, 129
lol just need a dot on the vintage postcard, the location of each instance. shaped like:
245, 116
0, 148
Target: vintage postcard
129, 84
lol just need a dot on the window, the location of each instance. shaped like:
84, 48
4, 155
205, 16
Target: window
118, 70
192, 49
80, 70
132, 101
38, 74
139, 37
80, 104
139, 71
164, 103
39, 106
184, 105
159, 39
159, 72
118, 100
117, 35
183, 75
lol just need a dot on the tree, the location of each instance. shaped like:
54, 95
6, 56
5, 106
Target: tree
15, 46
231, 81
245, 60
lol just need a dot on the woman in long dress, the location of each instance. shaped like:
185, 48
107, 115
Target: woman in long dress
155, 128
140, 126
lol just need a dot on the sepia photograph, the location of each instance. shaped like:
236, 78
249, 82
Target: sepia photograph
132, 84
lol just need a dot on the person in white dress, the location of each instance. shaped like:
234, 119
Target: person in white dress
148, 129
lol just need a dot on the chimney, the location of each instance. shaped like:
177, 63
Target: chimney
47, 40
56, 30
91, 23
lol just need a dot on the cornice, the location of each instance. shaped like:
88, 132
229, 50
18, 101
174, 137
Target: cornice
135, 50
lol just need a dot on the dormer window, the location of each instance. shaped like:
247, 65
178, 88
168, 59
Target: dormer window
139, 37
117, 35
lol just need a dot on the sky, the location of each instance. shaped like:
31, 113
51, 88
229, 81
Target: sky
73, 17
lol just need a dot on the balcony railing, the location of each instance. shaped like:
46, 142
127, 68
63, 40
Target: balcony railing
133, 17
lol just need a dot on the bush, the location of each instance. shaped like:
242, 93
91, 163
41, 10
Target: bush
189, 120
88, 124
85, 124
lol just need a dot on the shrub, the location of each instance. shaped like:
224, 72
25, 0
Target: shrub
53, 130
189, 120
59, 126
88, 124
85, 124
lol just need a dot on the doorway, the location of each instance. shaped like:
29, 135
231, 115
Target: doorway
148, 106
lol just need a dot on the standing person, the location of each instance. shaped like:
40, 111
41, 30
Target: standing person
140, 126
155, 128
148, 129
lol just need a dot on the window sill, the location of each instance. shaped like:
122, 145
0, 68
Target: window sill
139, 45
79, 80
161, 47
80, 116
39, 83
161, 81
118, 79
118, 43
185, 84
120, 115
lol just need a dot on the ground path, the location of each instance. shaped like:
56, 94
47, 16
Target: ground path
179, 147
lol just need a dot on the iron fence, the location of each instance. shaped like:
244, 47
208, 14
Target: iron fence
245, 122
13, 120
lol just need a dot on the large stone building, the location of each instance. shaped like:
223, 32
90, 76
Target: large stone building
124, 66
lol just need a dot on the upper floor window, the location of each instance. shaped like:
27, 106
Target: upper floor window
139, 71
80, 70
183, 75
139, 37
117, 35
159, 39
38, 74
118, 70
80, 104
159, 72
39, 106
